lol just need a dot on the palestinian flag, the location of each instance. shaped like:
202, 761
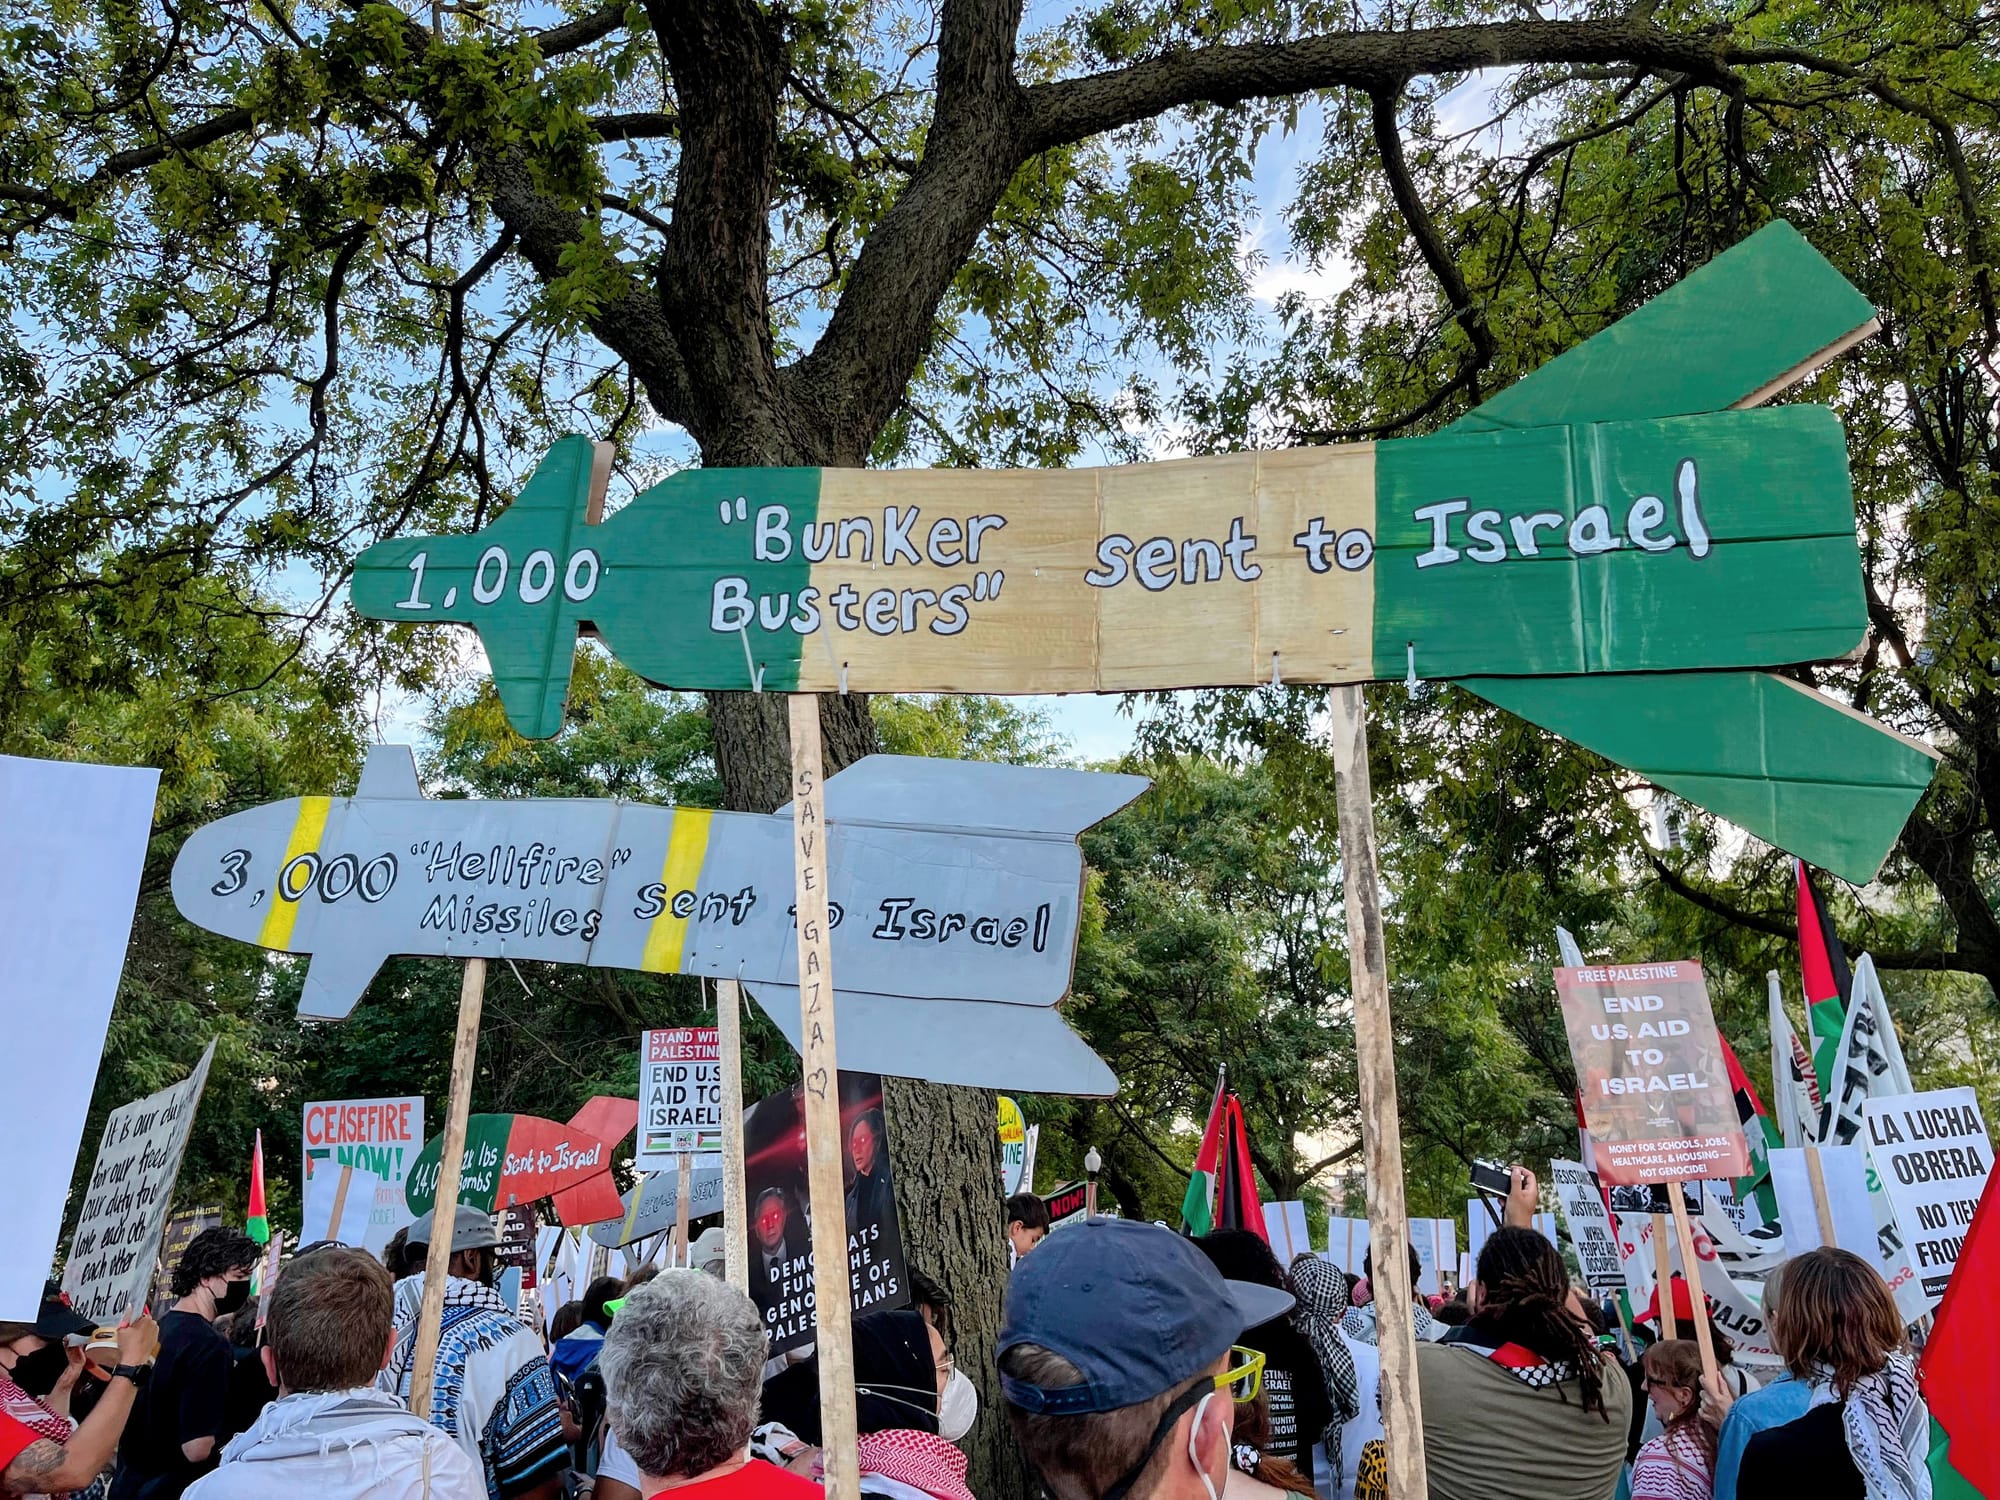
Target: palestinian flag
1237, 1205
1961, 1367
1753, 1191
1828, 981
256, 1223
1198, 1205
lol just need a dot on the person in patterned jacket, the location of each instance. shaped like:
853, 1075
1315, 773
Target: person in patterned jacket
492, 1389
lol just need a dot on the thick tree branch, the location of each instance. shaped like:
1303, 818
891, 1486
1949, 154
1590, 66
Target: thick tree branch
1078, 108
639, 125
855, 378
1955, 960
572, 35
727, 60
629, 322
1437, 254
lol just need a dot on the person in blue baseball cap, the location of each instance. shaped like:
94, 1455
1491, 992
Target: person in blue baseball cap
1119, 1362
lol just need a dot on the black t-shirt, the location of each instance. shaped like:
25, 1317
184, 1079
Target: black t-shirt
1296, 1404
187, 1398
1806, 1457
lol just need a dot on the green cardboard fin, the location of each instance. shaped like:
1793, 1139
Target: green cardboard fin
536, 555
1751, 323
1794, 768
1778, 760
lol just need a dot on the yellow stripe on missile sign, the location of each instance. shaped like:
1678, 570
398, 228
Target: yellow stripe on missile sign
687, 845
295, 875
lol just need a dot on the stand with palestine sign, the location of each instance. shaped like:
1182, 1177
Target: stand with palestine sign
1609, 548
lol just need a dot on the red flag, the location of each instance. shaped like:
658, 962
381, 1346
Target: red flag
1962, 1363
1236, 1201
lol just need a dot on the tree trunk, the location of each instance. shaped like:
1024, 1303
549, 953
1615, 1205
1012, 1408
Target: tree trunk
944, 1144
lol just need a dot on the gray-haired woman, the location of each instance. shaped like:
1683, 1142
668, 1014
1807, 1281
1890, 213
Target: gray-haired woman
683, 1369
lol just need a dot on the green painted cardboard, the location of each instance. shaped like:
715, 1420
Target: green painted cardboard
1601, 517
1795, 769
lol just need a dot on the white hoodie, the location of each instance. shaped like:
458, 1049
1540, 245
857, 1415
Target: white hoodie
341, 1445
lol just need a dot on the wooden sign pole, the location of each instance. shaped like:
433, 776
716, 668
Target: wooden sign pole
1684, 1236
1381, 1122
825, 1187
1822, 1205
686, 1190
1663, 1281
444, 1203
340, 1201
735, 1220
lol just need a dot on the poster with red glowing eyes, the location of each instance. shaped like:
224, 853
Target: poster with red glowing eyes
781, 1257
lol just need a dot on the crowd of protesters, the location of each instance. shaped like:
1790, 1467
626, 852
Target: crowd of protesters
1133, 1364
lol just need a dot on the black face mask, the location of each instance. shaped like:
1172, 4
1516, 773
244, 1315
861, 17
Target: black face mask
38, 1373
234, 1295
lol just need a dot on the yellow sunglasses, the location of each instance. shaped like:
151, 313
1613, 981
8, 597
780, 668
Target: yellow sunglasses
1245, 1376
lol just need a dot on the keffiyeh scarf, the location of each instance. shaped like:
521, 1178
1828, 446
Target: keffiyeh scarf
32, 1414
1521, 1362
1887, 1426
1321, 1291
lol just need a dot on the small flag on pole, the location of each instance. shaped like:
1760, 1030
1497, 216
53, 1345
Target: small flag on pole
1828, 981
256, 1223
1198, 1205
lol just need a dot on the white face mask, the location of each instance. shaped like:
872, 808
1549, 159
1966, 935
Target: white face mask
958, 1407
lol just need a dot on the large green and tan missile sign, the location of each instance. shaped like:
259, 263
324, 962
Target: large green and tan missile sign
1572, 550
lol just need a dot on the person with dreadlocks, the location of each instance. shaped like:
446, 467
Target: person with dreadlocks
1522, 1402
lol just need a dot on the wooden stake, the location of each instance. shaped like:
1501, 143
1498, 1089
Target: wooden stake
1663, 1281
686, 1165
1822, 1205
825, 1187
340, 1201
735, 1219
1692, 1269
444, 1204
1381, 1122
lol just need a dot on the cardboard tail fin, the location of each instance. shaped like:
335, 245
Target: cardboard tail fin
912, 791
591, 1201
983, 1044
538, 553
607, 1117
335, 982
1752, 747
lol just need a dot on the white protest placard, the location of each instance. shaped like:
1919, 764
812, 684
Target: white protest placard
1932, 1157
1285, 1227
1484, 1215
1590, 1230
680, 1096
117, 1237
381, 1140
1347, 1243
1436, 1242
1732, 1309
75, 837
1844, 1172
340, 1205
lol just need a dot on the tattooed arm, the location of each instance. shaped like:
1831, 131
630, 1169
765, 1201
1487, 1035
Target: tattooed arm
50, 1468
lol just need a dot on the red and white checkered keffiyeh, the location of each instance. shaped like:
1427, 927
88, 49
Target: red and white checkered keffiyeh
922, 1460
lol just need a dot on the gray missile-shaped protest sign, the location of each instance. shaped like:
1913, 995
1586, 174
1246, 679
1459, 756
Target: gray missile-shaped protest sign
652, 1206
955, 888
